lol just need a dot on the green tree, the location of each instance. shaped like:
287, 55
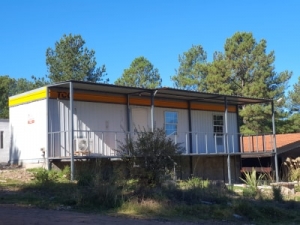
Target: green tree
294, 97
5, 84
192, 70
293, 104
252, 69
244, 69
218, 78
70, 60
10, 86
141, 73
253, 75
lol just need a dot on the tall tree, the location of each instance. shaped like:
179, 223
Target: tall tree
293, 105
218, 78
70, 60
192, 70
253, 75
141, 73
249, 64
294, 97
10, 86
244, 69
5, 84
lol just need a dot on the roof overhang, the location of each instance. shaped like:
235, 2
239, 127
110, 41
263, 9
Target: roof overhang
166, 93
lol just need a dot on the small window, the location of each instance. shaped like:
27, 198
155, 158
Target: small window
171, 121
218, 128
1, 139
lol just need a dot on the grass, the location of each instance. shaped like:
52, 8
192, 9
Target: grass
192, 200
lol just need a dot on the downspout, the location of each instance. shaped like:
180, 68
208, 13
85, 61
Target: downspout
128, 115
226, 142
274, 140
238, 140
71, 129
152, 109
190, 137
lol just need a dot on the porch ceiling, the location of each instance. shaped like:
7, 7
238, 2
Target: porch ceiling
166, 93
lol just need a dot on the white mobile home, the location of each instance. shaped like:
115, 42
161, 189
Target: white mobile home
4, 141
78, 120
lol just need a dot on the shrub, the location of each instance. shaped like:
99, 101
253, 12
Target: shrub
277, 195
43, 176
149, 157
95, 188
293, 167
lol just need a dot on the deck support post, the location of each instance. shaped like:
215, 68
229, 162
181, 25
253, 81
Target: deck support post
226, 142
71, 129
128, 114
152, 109
274, 143
190, 138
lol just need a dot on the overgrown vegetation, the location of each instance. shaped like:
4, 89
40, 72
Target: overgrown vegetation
141, 186
149, 158
292, 167
99, 187
252, 182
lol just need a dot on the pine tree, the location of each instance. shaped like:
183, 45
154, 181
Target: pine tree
141, 73
70, 60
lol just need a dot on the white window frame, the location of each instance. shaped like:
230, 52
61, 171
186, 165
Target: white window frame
171, 122
218, 128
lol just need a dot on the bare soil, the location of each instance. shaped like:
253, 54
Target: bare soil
24, 215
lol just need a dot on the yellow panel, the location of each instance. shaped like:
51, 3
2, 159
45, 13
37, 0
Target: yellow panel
26, 97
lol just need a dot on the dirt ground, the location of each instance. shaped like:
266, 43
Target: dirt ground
25, 215
17, 215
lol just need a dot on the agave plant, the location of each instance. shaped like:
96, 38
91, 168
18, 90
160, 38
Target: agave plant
251, 179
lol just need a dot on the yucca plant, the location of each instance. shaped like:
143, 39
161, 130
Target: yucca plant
251, 179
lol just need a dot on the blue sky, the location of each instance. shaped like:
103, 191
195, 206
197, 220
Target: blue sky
160, 30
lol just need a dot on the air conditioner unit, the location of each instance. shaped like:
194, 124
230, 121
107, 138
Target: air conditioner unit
83, 146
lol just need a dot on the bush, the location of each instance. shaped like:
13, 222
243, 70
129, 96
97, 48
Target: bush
43, 176
149, 157
96, 188
293, 169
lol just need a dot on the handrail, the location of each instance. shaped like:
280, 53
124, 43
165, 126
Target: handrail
105, 143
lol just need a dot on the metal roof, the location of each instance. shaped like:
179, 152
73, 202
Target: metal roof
165, 92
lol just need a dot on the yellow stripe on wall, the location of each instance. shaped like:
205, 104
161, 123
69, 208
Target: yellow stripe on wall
26, 97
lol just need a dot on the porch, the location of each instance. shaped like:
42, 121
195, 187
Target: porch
105, 144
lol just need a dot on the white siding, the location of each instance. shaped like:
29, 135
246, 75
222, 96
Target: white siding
182, 126
28, 132
104, 123
101, 123
202, 124
4, 151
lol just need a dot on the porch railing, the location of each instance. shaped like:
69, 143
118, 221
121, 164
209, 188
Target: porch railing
106, 143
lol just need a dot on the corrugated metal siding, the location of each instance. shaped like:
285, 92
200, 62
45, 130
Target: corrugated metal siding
105, 123
101, 123
202, 128
182, 127
4, 152
28, 132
